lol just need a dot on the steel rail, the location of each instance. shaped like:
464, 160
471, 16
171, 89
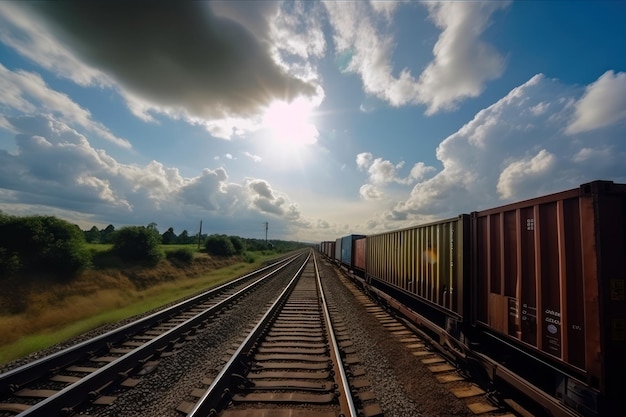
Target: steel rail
62, 402
32, 371
209, 402
345, 398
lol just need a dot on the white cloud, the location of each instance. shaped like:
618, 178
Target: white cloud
364, 160
517, 148
461, 65
26, 92
56, 169
385, 8
255, 158
462, 62
370, 192
523, 171
382, 172
603, 104
296, 31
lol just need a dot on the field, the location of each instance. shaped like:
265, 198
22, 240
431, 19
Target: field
54, 313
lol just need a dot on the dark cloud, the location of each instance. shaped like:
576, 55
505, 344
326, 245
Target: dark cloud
176, 55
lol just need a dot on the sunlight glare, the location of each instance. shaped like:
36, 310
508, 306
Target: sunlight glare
289, 124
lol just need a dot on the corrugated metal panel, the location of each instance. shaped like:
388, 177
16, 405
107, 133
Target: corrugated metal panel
346, 250
337, 253
359, 253
423, 260
330, 250
537, 269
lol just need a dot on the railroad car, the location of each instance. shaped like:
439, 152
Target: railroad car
548, 278
347, 250
327, 248
358, 260
337, 253
532, 291
424, 268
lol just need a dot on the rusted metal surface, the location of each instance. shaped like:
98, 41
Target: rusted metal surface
347, 249
359, 254
550, 275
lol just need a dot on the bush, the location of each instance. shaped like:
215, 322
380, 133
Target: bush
249, 257
180, 256
238, 244
137, 244
10, 263
219, 245
42, 244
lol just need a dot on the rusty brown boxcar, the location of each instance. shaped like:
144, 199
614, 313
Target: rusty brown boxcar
358, 261
423, 267
549, 280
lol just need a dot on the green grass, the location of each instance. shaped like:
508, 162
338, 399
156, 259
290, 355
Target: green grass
82, 313
192, 246
98, 247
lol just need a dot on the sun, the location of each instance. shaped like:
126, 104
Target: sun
289, 124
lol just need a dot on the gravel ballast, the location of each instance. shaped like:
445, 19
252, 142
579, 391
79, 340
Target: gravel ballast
403, 386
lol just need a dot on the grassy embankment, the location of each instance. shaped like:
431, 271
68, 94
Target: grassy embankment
46, 314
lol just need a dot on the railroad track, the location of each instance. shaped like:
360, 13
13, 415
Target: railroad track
66, 381
480, 396
294, 362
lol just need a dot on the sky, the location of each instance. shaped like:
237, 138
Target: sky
319, 119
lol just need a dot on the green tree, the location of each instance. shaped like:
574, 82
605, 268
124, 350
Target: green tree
169, 237
184, 238
219, 245
138, 244
237, 244
92, 235
43, 244
107, 234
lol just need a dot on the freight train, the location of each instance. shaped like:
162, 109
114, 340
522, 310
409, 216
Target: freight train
531, 292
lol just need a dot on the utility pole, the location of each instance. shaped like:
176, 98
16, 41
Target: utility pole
266, 227
199, 234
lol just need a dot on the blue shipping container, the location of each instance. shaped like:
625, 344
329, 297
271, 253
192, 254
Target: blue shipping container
347, 249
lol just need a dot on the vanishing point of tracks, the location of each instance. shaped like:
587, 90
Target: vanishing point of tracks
261, 345
289, 364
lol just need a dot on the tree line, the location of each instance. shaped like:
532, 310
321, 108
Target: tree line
106, 235
46, 244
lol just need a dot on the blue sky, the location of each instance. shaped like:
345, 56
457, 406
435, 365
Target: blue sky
321, 118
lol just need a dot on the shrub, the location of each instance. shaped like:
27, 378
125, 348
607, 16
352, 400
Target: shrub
10, 263
42, 244
249, 257
219, 245
137, 244
180, 256
238, 244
